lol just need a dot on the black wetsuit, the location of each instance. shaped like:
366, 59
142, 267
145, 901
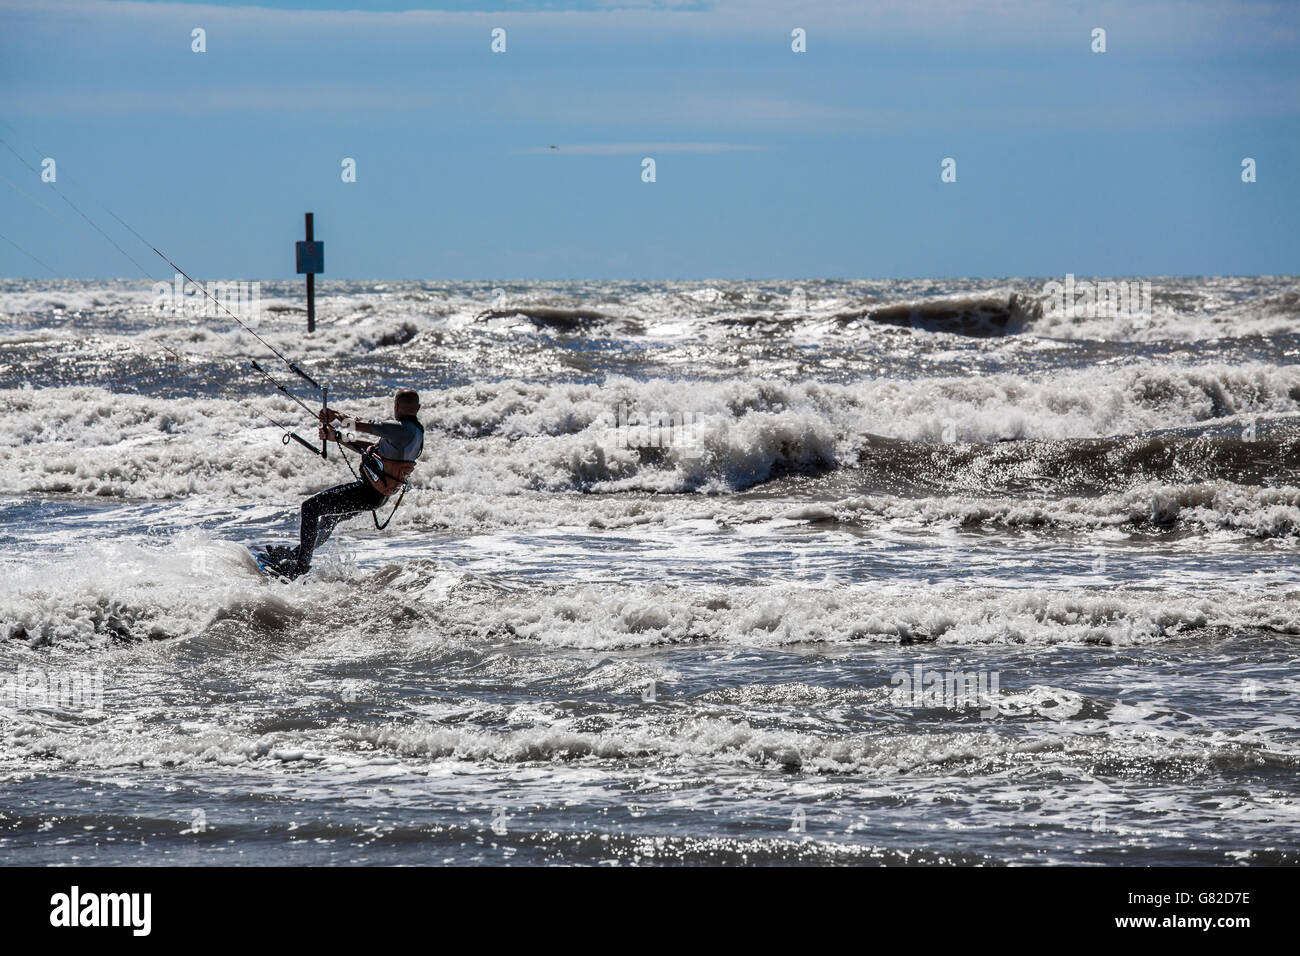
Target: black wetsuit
322, 513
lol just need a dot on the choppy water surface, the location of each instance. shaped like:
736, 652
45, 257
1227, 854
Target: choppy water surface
920, 573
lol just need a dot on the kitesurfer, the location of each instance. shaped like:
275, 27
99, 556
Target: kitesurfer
385, 466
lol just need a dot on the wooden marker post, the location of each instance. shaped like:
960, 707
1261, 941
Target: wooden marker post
311, 260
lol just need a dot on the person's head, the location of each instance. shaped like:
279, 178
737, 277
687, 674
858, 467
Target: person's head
405, 402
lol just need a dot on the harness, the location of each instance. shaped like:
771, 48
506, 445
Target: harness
386, 476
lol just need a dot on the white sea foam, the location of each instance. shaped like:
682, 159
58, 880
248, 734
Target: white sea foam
510, 437
137, 589
600, 637
1183, 309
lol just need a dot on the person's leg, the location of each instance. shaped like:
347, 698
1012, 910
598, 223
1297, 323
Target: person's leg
327, 525
321, 513
309, 516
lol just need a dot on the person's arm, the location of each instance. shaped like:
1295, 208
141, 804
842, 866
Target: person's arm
332, 415
359, 447
329, 433
395, 432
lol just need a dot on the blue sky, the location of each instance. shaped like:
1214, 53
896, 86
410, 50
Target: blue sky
769, 163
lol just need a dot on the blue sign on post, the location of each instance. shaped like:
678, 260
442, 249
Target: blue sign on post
311, 257
311, 260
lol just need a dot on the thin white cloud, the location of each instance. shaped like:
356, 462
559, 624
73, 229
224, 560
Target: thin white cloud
638, 98
1148, 24
626, 149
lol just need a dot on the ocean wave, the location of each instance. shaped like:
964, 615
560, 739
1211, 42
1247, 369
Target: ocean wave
591, 617
667, 436
193, 587
979, 316
1085, 466
1180, 310
1243, 510
699, 741
549, 317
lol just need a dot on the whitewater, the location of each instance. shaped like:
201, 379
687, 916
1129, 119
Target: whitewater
882, 571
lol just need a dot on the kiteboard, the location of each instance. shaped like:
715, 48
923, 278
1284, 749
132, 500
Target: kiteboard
276, 561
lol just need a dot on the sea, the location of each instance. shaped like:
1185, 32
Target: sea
815, 572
